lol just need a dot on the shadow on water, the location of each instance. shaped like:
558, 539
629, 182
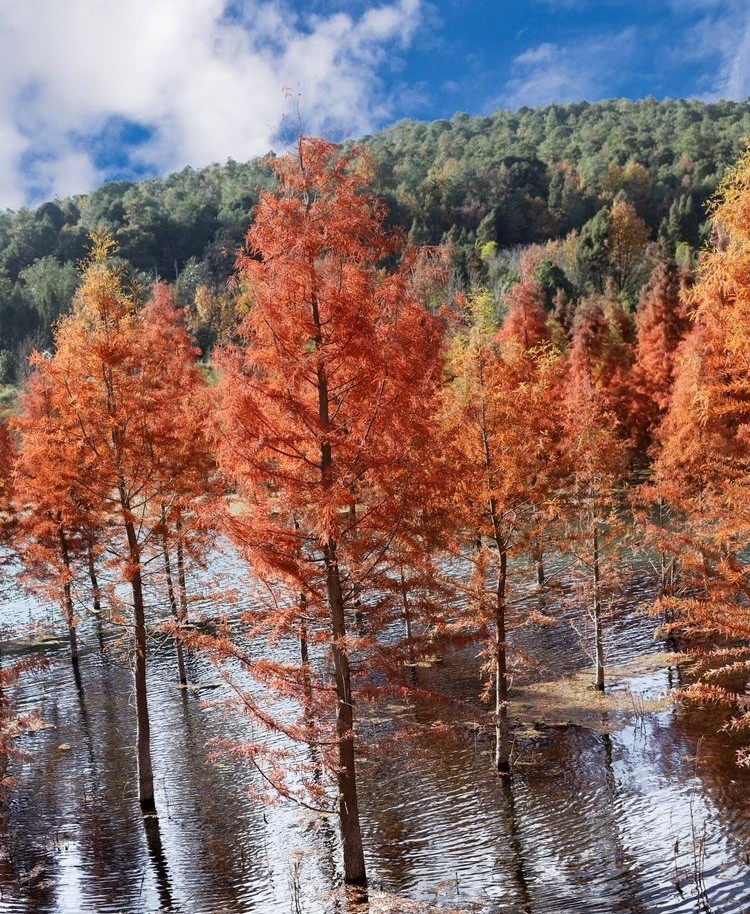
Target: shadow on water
158, 861
515, 844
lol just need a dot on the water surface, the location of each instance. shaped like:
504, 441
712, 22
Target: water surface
650, 817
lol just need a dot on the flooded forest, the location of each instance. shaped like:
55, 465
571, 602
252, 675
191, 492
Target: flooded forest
411, 592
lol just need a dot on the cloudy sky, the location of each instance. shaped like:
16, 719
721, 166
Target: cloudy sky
92, 90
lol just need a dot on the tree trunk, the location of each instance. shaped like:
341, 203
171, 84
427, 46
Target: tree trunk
143, 739
407, 621
539, 563
96, 592
502, 724
597, 613
351, 832
67, 598
307, 694
182, 676
181, 583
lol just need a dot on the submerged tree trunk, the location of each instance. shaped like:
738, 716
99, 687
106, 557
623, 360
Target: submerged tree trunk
667, 569
143, 725
181, 583
502, 723
67, 597
406, 609
96, 592
539, 563
597, 614
517, 864
351, 832
304, 653
182, 675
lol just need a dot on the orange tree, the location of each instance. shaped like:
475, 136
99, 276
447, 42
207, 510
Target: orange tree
503, 416
594, 460
116, 408
184, 464
662, 323
325, 410
703, 468
57, 520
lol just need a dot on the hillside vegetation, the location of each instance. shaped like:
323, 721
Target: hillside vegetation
486, 184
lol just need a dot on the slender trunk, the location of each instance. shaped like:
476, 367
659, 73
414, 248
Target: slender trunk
96, 592
143, 725
181, 584
181, 572
407, 621
539, 562
67, 598
597, 613
667, 570
304, 649
182, 675
351, 832
502, 724
305, 661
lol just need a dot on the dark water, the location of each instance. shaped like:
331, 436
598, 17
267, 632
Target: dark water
651, 817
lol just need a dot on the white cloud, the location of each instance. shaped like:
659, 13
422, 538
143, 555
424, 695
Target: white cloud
543, 53
550, 73
718, 37
205, 78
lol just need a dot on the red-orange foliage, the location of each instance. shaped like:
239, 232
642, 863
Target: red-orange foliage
325, 412
662, 324
526, 321
57, 518
120, 409
595, 463
187, 468
602, 352
6, 459
703, 469
502, 413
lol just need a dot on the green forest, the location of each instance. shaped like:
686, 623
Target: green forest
485, 185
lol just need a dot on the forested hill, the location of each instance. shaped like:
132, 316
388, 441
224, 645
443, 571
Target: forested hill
535, 174
509, 179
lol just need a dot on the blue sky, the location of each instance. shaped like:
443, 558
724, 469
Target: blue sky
92, 90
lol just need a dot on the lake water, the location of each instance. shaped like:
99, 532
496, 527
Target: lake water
651, 816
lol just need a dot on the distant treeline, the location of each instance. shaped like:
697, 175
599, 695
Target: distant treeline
507, 180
